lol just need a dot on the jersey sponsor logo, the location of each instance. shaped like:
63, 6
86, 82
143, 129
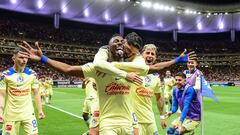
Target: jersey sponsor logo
144, 92
18, 92
117, 89
8, 127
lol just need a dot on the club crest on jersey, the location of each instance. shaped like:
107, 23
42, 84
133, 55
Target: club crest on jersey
20, 79
147, 81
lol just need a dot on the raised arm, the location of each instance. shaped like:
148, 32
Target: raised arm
37, 55
183, 58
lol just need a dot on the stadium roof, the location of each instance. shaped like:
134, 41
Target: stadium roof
186, 16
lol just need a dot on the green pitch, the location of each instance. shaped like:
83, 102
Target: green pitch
63, 117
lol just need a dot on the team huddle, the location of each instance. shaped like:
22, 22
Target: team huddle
120, 84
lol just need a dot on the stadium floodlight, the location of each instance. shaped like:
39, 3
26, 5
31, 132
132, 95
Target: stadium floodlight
166, 8
172, 9
40, 4
187, 11
146, 4
156, 6
199, 25
106, 16
199, 13
159, 24
122, 0
86, 13
13, 1
143, 21
64, 10
221, 25
179, 25
226, 13
125, 18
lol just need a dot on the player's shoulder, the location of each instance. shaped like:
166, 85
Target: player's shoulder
8, 72
29, 71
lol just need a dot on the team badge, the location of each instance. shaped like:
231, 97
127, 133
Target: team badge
147, 81
20, 79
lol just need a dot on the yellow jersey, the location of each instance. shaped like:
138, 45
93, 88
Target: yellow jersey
18, 87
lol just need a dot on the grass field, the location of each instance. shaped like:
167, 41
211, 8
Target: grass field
63, 117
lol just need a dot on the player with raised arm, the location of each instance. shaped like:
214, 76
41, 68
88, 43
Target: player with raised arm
143, 96
16, 85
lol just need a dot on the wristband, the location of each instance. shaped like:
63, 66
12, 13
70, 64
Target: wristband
183, 59
44, 59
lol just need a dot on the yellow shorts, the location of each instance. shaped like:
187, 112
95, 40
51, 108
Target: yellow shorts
117, 131
91, 106
188, 124
50, 92
12, 127
147, 129
167, 93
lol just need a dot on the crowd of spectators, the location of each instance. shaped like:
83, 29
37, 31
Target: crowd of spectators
219, 59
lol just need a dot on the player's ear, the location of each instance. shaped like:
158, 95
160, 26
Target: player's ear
14, 57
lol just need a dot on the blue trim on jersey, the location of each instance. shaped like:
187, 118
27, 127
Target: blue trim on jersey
27, 71
11, 71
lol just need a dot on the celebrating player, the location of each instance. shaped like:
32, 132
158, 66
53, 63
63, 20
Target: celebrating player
186, 97
16, 85
143, 97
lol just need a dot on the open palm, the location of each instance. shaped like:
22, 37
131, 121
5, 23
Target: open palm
34, 54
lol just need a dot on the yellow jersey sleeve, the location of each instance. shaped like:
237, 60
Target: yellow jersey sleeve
35, 84
157, 88
101, 64
137, 65
88, 70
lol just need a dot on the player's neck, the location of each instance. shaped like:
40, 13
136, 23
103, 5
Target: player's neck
18, 69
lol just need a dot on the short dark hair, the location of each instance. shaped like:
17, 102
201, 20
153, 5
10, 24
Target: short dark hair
17, 50
181, 74
135, 40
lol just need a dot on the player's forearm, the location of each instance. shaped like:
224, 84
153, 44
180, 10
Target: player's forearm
161, 65
108, 68
197, 85
38, 101
174, 103
138, 67
160, 105
65, 68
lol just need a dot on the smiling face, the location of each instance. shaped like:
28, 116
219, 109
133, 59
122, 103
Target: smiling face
116, 47
149, 55
180, 81
191, 65
168, 73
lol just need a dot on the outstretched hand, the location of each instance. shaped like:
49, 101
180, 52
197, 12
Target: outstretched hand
33, 54
185, 57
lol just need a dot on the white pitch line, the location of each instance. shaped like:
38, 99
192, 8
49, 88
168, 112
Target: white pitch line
61, 110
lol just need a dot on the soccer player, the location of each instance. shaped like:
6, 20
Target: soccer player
42, 89
49, 85
16, 85
143, 97
169, 83
187, 98
132, 46
115, 99
91, 100
193, 74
